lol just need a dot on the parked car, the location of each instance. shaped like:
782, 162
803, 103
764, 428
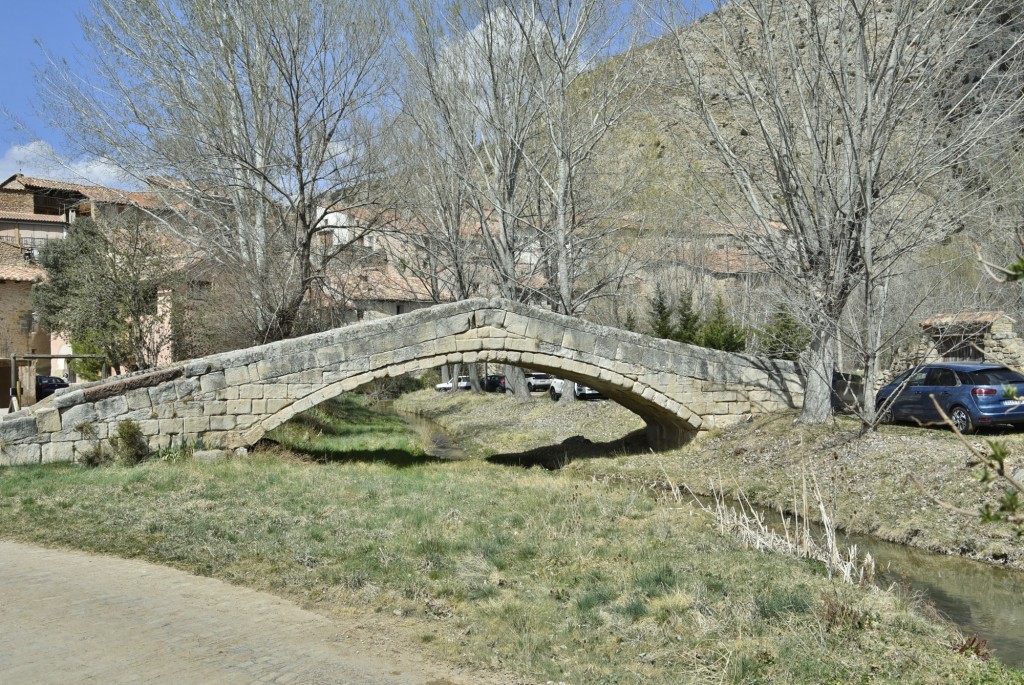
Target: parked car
47, 385
972, 395
494, 383
583, 392
464, 384
537, 381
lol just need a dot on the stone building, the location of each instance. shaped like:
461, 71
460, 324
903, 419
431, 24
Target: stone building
35, 210
19, 333
970, 336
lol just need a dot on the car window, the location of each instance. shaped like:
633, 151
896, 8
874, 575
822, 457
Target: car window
919, 377
942, 377
997, 377
902, 377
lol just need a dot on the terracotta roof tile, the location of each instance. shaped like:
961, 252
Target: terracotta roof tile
386, 285
38, 218
95, 193
47, 184
723, 261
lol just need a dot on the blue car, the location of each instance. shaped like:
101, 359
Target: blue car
972, 395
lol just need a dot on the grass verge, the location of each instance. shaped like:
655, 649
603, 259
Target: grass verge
528, 570
866, 480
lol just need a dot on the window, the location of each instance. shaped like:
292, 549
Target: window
997, 377
943, 377
920, 377
199, 290
959, 348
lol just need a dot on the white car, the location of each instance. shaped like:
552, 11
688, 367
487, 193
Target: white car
464, 384
537, 381
583, 392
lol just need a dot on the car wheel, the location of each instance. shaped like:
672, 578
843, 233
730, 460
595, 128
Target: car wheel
554, 395
961, 419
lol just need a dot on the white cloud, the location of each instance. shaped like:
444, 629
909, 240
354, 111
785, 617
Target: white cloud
39, 159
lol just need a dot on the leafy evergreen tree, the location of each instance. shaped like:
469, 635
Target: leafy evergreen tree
661, 316
720, 332
783, 337
687, 328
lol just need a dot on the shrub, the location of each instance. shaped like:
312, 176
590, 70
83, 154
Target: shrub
95, 457
129, 445
391, 388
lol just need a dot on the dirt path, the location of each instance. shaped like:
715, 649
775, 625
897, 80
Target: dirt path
72, 617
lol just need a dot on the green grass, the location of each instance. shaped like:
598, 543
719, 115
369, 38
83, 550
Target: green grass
866, 481
348, 430
533, 571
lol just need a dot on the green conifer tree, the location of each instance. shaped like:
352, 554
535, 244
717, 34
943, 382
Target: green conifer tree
783, 337
660, 318
720, 332
687, 328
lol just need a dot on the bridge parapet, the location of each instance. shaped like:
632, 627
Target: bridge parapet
233, 399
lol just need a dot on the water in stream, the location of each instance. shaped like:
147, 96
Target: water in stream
978, 598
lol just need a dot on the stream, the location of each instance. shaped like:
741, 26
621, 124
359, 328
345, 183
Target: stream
980, 599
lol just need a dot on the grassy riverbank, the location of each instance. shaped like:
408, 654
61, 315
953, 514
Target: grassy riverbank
866, 481
536, 572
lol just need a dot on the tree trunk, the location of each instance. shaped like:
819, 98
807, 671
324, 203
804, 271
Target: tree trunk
456, 371
568, 391
876, 318
818, 364
516, 380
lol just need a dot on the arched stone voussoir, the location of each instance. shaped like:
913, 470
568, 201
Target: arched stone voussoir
233, 399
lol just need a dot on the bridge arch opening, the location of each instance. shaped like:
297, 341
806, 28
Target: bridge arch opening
665, 428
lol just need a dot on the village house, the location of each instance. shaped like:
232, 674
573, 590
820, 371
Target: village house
19, 331
34, 211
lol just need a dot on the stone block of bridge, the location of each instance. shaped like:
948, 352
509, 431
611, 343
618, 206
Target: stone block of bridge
233, 399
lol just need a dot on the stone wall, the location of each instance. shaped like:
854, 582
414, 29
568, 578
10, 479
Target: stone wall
17, 201
1002, 344
997, 341
233, 399
15, 318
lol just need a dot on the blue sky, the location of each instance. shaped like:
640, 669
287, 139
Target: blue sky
25, 140
54, 24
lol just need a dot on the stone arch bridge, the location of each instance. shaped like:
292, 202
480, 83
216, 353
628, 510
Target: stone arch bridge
232, 399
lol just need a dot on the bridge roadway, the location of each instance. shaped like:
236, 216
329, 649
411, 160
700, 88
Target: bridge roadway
232, 399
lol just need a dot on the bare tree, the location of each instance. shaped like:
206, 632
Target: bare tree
472, 83
519, 96
430, 182
252, 121
588, 79
829, 119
